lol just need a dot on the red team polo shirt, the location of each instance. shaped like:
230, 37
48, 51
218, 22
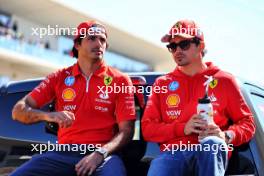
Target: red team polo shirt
166, 114
96, 112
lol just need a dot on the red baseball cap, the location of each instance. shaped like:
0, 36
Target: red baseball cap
89, 27
183, 28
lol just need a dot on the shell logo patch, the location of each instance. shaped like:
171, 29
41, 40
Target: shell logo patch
68, 94
173, 100
108, 80
213, 83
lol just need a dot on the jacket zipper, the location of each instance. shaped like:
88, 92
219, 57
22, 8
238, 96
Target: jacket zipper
87, 82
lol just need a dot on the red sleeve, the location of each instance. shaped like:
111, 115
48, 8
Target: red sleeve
45, 91
125, 103
237, 109
153, 127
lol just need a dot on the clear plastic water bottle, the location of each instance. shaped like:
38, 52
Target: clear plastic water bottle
205, 107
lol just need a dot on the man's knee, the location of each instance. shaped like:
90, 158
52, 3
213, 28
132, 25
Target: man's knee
28, 167
213, 140
44, 165
168, 164
215, 145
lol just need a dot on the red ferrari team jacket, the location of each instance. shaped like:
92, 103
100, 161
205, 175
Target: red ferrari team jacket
167, 113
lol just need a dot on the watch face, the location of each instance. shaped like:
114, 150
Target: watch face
102, 151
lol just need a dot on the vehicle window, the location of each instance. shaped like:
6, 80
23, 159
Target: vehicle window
258, 104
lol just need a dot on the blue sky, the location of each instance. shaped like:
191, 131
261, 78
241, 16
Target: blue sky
233, 29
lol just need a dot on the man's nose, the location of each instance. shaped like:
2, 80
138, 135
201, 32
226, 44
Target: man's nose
178, 50
98, 42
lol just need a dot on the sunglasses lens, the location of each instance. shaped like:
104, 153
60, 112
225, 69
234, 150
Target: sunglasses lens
184, 45
172, 47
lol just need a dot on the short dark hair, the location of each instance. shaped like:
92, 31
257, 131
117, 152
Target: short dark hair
74, 50
197, 41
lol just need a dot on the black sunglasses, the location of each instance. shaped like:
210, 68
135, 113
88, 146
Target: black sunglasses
184, 45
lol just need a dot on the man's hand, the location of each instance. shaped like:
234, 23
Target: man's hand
63, 118
89, 164
212, 130
196, 124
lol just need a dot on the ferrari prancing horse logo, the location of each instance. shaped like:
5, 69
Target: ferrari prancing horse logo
213, 83
108, 80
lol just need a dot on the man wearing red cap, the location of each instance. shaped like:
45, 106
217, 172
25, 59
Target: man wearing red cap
189, 144
85, 115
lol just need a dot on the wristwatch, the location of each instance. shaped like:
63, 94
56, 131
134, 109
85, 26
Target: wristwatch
229, 136
102, 152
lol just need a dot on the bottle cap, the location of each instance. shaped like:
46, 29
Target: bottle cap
204, 100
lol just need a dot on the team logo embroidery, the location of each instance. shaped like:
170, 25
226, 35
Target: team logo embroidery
68, 94
104, 96
205, 113
173, 114
178, 25
108, 80
212, 98
213, 83
173, 100
69, 80
173, 86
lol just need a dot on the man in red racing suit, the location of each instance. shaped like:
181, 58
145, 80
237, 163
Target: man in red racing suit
88, 113
171, 118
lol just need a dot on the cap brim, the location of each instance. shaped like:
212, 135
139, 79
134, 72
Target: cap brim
166, 38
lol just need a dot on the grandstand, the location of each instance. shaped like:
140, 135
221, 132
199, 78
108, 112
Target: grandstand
24, 55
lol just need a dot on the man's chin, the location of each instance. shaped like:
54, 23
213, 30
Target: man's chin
182, 64
97, 58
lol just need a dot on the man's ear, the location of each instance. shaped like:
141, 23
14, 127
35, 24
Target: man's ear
202, 49
107, 45
76, 45
202, 46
